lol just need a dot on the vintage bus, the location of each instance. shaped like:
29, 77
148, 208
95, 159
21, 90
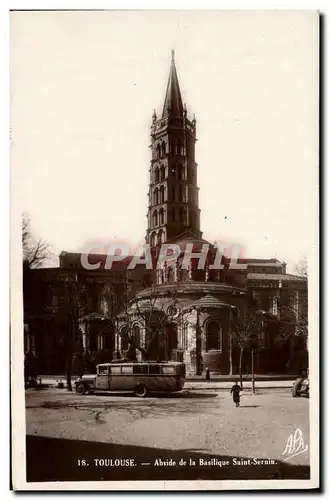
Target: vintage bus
140, 378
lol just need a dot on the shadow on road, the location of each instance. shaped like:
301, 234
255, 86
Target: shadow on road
50, 459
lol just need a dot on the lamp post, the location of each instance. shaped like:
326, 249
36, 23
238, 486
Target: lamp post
230, 340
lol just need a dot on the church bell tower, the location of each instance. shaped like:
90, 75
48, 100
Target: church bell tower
173, 208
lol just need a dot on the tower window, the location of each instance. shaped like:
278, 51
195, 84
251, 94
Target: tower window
157, 175
153, 239
160, 237
156, 196
179, 148
162, 191
181, 215
162, 173
158, 150
163, 148
181, 172
155, 218
161, 216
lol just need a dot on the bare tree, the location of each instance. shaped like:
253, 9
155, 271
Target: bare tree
293, 322
243, 331
152, 313
149, 310
301, 268
35, 252
70, 310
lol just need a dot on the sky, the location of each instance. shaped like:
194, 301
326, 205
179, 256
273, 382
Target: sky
83, 89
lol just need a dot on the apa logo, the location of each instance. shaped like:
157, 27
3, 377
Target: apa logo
295, 445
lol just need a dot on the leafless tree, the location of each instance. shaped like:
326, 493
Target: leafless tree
292, 323
152, 312
70, 310
301, 268
149, 310
35, 252
244, 330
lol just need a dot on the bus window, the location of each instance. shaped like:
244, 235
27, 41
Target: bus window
126, 370
103, 370
168, 370
154, 369
140, 369
115, 370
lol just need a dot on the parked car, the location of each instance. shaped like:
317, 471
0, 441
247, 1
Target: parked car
301, 388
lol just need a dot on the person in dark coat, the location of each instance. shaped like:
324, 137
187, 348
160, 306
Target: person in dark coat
207, 374
236, 394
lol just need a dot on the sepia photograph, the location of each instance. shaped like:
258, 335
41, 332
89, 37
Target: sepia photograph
164, 173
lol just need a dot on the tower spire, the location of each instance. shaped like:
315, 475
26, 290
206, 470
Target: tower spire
173, 106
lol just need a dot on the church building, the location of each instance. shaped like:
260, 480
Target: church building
207, 316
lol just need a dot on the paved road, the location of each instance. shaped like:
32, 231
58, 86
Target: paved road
64, 428
214, 384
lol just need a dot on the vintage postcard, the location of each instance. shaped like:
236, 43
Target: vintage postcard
164, 244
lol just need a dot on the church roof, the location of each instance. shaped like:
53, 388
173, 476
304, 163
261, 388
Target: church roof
275, 277
209, 302
187, 237
173, 105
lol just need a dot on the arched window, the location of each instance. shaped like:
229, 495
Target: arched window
162, 191
170, 275
181, 215
181, 172
162, 173
160, 237
163, 149
173, 194
213, 335
136, 334
158, 150
153, 239
124, 338
157, 175
155, 218
179, 148
161, 217
156, 197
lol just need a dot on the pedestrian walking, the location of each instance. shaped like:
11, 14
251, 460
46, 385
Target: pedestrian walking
207, 374
236, 394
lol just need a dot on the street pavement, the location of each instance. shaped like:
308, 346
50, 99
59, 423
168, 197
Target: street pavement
65, 428
215, 384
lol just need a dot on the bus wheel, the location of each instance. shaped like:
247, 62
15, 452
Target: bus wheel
141, 391
80, 388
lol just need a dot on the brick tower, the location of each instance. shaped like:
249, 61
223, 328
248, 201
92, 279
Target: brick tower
173, 208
